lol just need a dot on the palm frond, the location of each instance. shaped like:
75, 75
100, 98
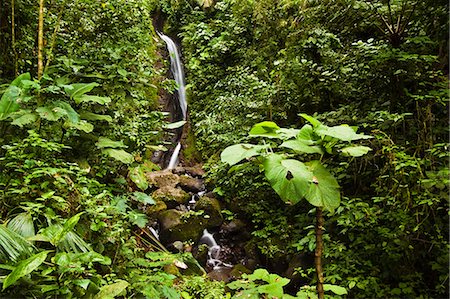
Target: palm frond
22, 224
13, 245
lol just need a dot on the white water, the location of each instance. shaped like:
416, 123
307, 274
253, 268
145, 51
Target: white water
174, 158
213, 251
177, 70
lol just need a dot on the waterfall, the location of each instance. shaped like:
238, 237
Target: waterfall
177, 70
213, 251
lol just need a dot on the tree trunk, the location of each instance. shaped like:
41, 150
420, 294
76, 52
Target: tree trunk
318, 253
13, 37
40, 69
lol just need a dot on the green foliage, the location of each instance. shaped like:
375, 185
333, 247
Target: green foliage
291, 178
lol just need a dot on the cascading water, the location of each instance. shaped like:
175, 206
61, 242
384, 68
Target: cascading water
213, 251
177, 70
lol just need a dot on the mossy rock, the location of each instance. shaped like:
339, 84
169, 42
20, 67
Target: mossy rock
191, 184
153, 210
211, 206
181, 226
171, 196
163, 178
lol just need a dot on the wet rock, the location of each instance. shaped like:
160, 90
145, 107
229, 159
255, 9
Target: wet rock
195, 171
220, 274
211, 207
238, 270
180, 226
171, 196
191, 184
235, 225
162, 178
153, 210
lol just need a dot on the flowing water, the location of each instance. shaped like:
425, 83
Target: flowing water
176, 68
213, 251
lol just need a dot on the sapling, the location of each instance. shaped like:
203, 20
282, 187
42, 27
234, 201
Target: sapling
292, 175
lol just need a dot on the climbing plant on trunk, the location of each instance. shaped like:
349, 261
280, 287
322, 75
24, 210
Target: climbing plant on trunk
284, 158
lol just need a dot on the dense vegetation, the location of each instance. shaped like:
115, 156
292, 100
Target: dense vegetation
77, 139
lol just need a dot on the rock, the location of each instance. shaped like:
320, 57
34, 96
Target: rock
238, 270
171, 196
191, 184
162, 178
220, 274
235, 225
195, 171
180, 226
211, 207
153, 210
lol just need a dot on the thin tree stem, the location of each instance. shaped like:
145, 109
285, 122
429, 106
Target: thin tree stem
40, 69
318, 253
13, 36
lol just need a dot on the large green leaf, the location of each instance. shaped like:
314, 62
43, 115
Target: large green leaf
95, 117
137, 175
112, 290
302, 147
338, 290
67, 227
288, 177
238, 152
13, 245
22, 224
20, 78
51, 113
323, 189
119, 155
9, 101
69, 112
342, 132
79, 89
104, 142
356, 151
23, 117
25, 267
82, 125
91, 99
311, 119
265, 129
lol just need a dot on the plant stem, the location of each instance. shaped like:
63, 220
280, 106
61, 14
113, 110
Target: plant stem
13, 37
318, 253
40, 69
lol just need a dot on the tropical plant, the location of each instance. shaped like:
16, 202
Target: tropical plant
294, 180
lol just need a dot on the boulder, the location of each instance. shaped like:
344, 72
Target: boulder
180, 226
191, 184
171, 196
211, 206
162, 178
153, 210
195, 171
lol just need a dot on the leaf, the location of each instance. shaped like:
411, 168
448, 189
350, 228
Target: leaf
92, 99
78, 89
306, 135
238, 152
71, 114
25, 267
323, 189
119, 155
12, 244
138, 219
22, 224
137, 175
335, 289
9, 101
95, 117
175, 125
302, 147
112, 290
82, 125
356, 151
49, 114
143, 198
67, 227
342, 132
311, 119
288, 177
265, 129
20, 78
23, 117
104, 142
